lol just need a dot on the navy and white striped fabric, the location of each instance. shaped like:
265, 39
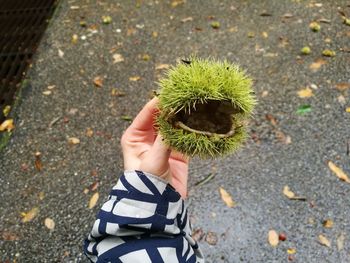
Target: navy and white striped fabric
144, 220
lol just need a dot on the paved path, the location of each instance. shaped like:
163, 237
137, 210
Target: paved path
263, 36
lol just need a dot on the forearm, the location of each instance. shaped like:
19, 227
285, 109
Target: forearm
144, 218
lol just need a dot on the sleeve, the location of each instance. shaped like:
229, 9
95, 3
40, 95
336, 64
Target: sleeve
144, 220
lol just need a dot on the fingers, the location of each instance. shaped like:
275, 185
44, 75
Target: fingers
157, 159
144, 120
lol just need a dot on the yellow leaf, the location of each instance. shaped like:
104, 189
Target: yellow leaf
328, 223
338, 172
73, 140
347, 109
135, 78
6, 110
287, 192
324, 241
162, 66
226, 197
264, 34
98, 81
273, 238
49, 223
291, 251
30, 215
93, 200
7, 125
305, 93
117, 58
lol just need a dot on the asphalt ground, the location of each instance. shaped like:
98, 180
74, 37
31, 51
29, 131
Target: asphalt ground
286, 148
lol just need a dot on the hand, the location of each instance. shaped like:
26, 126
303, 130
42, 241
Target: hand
144, 150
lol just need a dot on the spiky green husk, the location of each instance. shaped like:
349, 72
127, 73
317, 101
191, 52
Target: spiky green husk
201, 81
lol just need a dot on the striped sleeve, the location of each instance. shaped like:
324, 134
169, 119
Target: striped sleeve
144, 220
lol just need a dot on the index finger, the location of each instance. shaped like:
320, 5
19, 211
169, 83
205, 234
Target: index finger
144, 120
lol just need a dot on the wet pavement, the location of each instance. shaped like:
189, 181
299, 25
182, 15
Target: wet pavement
60, 100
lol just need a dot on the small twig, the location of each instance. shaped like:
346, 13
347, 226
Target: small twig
299, 198
205, 180
54, 121
183, 126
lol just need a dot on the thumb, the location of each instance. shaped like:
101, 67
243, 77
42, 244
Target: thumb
156, 161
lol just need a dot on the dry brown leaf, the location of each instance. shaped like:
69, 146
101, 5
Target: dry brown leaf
338, 172
93, 200
49, 223
324, 241
117, 58
287, 192
211, 238
340, 241
305, 93
317, 64
328, 223
135, 78
89, 132
9, 236
226, 197
73, 140
342, 86
30, 215
98, 81
162, 66
7, 125
273, 238
283, 138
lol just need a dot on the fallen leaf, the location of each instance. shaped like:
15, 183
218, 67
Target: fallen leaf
226, 197
328, 53
117, 93
135, 78
60, 53
317, 64
324, 241
175, 3
287, 192
7, 125
328, 223
47, 92
273, 238
30, 215
73, 140
265, 34
340, 241
51, 87
98, 81
314, 26
305, 93
347, 109
211, 238
162, 66
41, 196
93, 200
6, 110
187, 19
126, 118
303, 109
75, 39
117, 58
38, 164
9, 236
154, 34
271, 119
215, 24
338, 172
283, 138
291, 251
49, 223
89, 132
342, 86
146, 57
305, 50
341, 99
106, 20
197, 234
